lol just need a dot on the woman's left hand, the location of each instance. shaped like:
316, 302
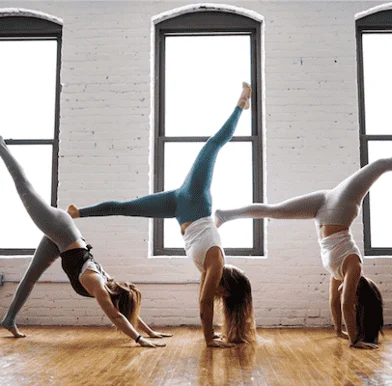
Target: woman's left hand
364, 345
342, 334
158, 335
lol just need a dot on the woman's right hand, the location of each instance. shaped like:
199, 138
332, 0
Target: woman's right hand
342, 334
364, 345
147, 343
218, 342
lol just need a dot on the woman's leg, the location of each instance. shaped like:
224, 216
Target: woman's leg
158, 205
354, 188
301, 207
46, 253
55, 223
194, 194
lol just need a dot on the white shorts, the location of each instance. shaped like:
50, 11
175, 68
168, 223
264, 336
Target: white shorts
199, 237
334, 250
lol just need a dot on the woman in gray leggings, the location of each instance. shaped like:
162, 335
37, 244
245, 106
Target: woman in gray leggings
334, 211
119, 301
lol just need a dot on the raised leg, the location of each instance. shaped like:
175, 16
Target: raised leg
46, 253
158, 205
194, 200
301, 207
55, 223
200, 176
355, 187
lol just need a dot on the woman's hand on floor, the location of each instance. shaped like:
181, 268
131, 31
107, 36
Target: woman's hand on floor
147, 343
364, 345
342, 334
218, 342
157, 335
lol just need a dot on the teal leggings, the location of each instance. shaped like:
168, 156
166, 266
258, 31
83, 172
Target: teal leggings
191, 201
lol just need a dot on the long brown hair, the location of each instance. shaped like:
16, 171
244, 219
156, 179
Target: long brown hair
126, 298
369, 311
239, 322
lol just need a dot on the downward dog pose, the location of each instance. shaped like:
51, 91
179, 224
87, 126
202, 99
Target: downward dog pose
191, 205
334, 211
119, 301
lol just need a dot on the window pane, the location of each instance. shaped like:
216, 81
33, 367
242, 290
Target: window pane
231, 187
380, 198
28, 88
203, 80
16, 228
377, 64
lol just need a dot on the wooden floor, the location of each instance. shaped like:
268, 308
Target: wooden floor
102, 356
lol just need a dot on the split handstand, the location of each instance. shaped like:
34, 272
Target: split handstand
191, 205
334, 211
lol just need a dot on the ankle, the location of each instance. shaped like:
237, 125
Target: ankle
243, 103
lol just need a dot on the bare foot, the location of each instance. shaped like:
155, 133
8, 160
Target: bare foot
73, 211
15, 332
218, 218
243, 101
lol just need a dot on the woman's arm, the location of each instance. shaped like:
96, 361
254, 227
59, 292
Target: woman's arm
151, 333
213, 272
335, 305
94, 284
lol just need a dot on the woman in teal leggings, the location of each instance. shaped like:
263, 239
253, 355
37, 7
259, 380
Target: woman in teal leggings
191, 205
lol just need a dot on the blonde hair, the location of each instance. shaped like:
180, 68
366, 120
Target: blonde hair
126, 298
237, 304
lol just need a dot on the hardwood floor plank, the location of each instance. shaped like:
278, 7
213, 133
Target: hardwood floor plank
103, 356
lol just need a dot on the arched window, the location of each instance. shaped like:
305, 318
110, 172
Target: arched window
374, 51
30, 48
201, 58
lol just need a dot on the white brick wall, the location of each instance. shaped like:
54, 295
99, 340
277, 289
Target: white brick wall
311, 136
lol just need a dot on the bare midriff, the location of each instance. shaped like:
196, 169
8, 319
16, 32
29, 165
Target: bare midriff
328, 230
184, 226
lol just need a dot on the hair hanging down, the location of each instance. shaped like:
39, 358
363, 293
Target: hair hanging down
239, 322
369, 312
126, 298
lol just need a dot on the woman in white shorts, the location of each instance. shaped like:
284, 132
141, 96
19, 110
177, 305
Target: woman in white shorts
334, 211
191, 205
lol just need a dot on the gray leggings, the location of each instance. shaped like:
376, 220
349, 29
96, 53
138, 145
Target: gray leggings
338, 206
58, 227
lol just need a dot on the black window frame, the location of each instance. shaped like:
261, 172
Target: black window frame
36, 28
206, 23
379, 22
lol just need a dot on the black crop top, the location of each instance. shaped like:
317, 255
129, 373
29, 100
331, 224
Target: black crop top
72, 262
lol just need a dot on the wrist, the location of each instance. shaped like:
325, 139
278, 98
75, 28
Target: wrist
137, 340
209, 337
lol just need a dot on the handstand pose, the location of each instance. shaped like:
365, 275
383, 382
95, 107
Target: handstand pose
119, 301
191, 205
334, 211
